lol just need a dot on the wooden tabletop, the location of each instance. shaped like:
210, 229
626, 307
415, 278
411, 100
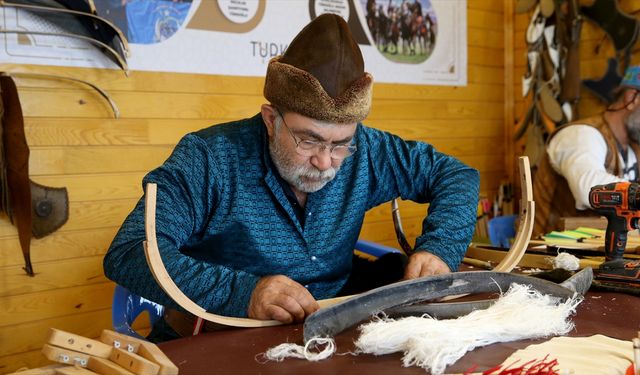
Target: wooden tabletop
237, 350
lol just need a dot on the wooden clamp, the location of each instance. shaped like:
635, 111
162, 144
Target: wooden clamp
142, 348
65, 356
134, 363
74, 370
106, 367
114, 354
78, 343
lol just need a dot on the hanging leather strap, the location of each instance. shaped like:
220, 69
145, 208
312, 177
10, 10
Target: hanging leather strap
4, 184
17, 163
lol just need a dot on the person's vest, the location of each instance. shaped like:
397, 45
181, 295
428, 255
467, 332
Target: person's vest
551, 193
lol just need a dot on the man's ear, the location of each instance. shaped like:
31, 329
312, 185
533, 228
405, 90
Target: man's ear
269, 117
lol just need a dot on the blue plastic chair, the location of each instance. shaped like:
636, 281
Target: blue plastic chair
127, 307
501, 230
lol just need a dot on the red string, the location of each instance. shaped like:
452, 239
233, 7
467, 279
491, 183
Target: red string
532, 367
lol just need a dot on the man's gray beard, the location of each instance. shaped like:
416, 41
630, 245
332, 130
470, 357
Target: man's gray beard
632, 123
292, 173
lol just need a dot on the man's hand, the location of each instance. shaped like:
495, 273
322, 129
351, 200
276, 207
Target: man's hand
280, 298
422, 264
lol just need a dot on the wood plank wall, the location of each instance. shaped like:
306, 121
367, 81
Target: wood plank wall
76, 143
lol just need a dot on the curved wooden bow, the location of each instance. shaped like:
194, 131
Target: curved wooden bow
154, 260
104, 94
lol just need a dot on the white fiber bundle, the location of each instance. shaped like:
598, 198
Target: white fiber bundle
566, 261
289, 350
520, 313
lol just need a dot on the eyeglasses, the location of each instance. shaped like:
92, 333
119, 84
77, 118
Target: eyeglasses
309, 148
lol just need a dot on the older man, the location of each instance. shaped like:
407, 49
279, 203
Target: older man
592, 151
259, 217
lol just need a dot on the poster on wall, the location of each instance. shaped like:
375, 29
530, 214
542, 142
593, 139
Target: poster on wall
403, 41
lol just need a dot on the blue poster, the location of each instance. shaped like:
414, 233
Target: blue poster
153, 21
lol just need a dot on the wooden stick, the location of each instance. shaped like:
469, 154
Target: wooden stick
477, 263
528, 260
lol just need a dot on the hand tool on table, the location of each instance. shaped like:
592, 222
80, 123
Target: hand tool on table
619, 202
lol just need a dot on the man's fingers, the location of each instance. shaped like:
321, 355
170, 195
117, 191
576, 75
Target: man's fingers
412, 271
280, 298
427, 271
425, 264
304, 298
278, 313
291, 305
309, 305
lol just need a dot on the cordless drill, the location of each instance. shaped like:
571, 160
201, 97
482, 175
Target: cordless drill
619, 202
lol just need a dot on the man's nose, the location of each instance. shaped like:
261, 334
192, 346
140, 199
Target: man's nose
322, 160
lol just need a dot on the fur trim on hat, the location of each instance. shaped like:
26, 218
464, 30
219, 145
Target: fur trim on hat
295, 90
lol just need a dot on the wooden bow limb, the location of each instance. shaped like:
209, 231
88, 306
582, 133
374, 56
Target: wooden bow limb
525, 229
104, 94
119, 60
92, 6
154, 260
397, 224
527, 214
101, 20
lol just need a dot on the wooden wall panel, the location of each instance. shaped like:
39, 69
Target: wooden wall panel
76, 142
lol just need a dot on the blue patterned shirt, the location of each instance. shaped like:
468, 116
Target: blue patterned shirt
223, 220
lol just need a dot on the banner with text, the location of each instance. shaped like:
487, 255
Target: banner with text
403, 41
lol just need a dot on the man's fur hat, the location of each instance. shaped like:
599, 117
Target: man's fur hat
321, 74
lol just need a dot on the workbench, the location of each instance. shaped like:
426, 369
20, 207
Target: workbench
234, 350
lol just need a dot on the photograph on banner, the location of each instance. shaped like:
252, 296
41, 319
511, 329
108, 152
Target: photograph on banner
403, 31
402, 41
145, 21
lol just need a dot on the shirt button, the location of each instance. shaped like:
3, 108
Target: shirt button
313, 257
309, 214
307, 286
